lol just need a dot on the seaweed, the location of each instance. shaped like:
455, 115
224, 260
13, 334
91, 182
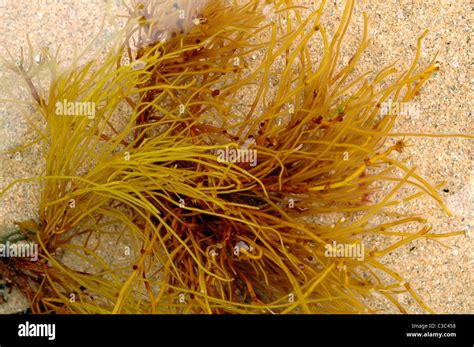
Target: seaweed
149, 164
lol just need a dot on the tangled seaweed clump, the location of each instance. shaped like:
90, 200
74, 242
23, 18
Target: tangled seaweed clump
223, 206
